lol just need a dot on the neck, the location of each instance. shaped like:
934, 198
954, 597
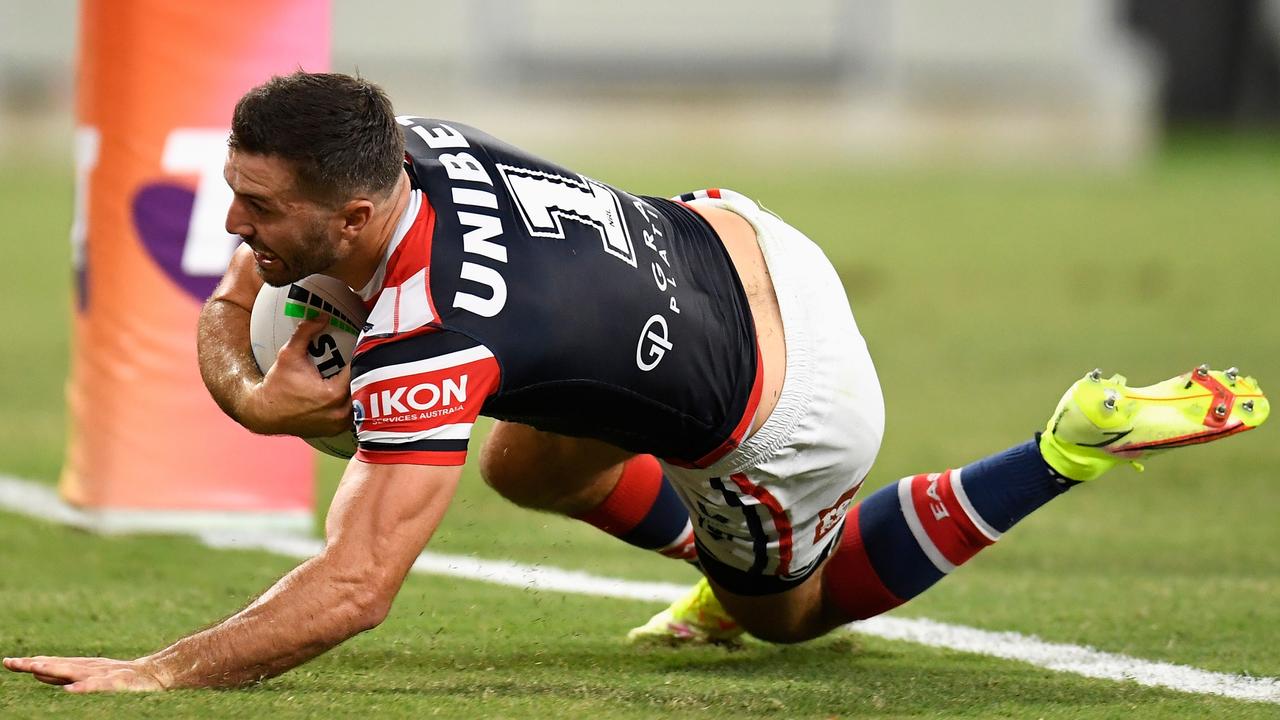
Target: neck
367, 249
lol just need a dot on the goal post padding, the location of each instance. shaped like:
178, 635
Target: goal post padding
156, 86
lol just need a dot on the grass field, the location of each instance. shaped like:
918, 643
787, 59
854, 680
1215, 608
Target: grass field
982, 295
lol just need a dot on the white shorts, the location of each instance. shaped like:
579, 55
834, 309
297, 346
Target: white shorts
766, 515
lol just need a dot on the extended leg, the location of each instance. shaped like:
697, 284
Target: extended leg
908, 535
900, 541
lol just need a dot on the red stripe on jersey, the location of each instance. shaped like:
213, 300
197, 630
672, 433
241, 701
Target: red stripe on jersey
418, 402
944, 519
744, 423
414, 251
713, 193
631, 499
780, 522
431, 304
851, 582
411, 255
395, 313
411, 457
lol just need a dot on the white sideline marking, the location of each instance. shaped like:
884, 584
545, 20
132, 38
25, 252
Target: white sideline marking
39, 501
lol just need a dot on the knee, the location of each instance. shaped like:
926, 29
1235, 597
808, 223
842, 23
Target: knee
781, 633
505, 467
792, 616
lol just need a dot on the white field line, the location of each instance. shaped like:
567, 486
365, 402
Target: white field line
39, 501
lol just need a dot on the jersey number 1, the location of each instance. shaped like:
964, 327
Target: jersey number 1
546, 200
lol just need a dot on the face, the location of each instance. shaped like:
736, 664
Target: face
291, 237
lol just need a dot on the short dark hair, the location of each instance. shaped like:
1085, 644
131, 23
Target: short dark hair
339, 131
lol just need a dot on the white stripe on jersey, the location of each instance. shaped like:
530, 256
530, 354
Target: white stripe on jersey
440, 362
400, 309
415, 309
382, 317
456, 431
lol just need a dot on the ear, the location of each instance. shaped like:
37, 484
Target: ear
355, 215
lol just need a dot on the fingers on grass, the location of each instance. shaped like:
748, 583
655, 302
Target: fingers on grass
50, 679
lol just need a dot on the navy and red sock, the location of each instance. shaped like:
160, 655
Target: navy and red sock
644, 510
907, 536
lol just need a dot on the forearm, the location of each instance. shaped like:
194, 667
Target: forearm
307, 612
381, 518
226, 358
290, 398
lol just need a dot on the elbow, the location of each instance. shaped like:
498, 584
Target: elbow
368, 611
364, 598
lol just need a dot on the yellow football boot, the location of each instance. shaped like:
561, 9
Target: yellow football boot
695, 619
1101, 422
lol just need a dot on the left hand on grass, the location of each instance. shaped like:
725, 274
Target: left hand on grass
84, 675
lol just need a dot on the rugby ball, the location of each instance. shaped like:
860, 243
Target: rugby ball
277, 312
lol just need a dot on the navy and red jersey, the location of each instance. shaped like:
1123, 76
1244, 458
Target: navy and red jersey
520, 290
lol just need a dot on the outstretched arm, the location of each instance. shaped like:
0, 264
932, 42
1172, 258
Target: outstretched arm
381, 518
292, 398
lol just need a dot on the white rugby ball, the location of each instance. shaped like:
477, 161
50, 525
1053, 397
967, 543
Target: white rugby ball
278, 311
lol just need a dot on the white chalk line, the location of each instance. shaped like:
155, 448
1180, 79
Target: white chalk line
40, 501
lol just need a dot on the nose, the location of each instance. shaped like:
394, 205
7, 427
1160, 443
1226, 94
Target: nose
238, 220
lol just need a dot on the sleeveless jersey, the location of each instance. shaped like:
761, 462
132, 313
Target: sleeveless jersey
523, 291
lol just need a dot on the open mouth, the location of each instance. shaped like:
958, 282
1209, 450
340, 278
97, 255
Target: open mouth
266, 259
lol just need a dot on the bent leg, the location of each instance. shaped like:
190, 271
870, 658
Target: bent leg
546, 471
623, 494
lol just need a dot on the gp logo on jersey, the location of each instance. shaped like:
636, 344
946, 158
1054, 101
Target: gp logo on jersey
654, 343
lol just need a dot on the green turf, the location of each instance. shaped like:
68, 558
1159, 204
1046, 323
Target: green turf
983, 294
35, 281
463, 649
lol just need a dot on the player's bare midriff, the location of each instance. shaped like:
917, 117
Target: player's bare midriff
739, 239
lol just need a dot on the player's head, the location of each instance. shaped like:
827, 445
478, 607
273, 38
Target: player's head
310, 156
